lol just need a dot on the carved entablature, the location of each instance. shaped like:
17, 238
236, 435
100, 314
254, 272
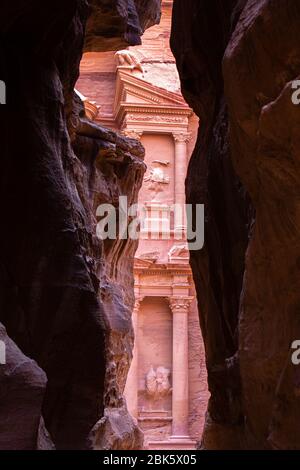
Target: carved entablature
154, 118
165, 281
154, 122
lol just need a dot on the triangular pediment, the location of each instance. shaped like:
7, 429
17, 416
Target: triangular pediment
134, 90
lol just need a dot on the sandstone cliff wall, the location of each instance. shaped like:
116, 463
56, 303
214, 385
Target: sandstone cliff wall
237, 60
65, 297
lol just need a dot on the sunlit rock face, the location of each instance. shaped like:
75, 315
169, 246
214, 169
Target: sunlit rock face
65, 297
248, 274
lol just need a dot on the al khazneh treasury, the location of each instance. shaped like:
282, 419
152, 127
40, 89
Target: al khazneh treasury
137, 92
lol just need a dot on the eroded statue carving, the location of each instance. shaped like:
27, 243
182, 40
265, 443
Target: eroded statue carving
150, 256
158, 382
179, 251
157, 175
157, 180
126, 58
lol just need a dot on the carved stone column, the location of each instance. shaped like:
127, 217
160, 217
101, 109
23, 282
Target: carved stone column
180, 397
131, 389
181, 164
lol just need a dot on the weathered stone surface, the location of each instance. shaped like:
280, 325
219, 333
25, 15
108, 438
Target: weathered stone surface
44, 441
22, 390
261, 61
117, 430
248, 275
114, 24
53, 268
218, 269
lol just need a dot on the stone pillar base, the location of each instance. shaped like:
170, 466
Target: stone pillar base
174, 443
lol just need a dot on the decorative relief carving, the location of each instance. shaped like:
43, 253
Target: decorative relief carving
180, 303
151, 256
157, 279
157, 178
161, 118
158, 383
179, 252
157, 175
182, 137
147, 96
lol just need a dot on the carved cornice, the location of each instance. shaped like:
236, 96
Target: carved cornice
180, 304
147, 116
163, 271
143, 94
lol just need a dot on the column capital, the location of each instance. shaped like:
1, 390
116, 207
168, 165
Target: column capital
180, 304
133, 134
182, 137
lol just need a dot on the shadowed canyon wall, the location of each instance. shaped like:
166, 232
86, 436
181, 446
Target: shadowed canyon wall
237, 61
65, 297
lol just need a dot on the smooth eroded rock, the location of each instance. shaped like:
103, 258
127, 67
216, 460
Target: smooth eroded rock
248, 274
22, 390
53, 266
